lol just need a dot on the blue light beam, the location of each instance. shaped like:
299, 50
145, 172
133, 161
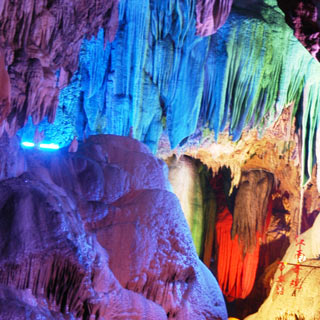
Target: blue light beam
51, 146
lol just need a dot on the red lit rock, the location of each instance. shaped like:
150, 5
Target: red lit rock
236, 271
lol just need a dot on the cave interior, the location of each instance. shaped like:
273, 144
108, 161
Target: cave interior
159, 159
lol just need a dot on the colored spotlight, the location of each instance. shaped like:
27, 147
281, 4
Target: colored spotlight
52, 146
28, 144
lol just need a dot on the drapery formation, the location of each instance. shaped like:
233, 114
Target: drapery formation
236, 272
211, 15
190, 182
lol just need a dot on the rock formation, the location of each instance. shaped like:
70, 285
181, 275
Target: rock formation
299, 299
212, 15
255, 166
303, 17
143, 78
222, 90
251, 206
5, 90
40, 42
97, 233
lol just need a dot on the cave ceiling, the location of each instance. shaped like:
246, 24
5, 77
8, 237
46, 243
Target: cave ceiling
172, 71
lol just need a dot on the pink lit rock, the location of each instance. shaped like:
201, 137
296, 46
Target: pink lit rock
211, 15
73, 145
91, 234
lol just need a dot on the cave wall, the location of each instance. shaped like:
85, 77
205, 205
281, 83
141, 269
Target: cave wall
294, 210
164, 83
303, 17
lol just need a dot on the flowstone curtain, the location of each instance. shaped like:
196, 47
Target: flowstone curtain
238, 236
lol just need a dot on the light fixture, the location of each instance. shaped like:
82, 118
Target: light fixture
28, 144
51, 146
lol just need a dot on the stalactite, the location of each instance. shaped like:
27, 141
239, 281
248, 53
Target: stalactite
187, 185
4, 90
38, 40
309, 110
159, 76
209, 211
251, 203
317, 145
211, 15
58, 280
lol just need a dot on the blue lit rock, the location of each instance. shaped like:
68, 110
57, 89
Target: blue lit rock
159, 76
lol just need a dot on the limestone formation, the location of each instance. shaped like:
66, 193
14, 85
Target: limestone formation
40, 43
225, 91
300, 299
211, 15
97, 233
303, 17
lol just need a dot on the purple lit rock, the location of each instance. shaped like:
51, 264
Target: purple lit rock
211, 15
92, 234
303, 17
39, 39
